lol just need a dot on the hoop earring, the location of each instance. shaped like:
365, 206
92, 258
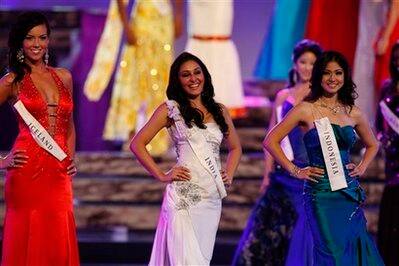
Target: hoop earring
46, 56
20, 55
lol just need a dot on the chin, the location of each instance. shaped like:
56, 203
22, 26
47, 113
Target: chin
35, 58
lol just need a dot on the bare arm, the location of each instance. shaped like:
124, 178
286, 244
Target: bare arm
66, 78
234, 147
365, 133
158, 121
383, 41
130, 36
16, 158
268, 159
272, 142
6, 87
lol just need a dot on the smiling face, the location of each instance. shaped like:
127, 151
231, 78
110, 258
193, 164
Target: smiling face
191, 78
304, 65
333, 78
35, 43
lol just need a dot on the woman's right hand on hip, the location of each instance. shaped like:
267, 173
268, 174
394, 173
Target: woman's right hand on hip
177, 173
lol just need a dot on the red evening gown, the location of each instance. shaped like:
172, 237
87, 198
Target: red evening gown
333, 24
39, 227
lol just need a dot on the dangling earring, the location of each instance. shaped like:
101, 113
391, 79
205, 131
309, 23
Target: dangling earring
295, 77
20, 55
46, 56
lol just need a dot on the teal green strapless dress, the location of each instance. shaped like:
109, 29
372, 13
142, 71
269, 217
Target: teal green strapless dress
336, 218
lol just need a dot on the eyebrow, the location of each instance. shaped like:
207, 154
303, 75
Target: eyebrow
338, 69
30, 35
187, 70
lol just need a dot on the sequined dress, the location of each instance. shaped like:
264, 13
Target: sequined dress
190, 210
277, 232
142, 74
39, 227
388, 223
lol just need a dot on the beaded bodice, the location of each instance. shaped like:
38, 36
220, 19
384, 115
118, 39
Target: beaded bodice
54, 117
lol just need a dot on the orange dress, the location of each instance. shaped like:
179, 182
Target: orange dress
39, 227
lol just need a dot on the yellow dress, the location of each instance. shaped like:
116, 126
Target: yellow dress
142, 73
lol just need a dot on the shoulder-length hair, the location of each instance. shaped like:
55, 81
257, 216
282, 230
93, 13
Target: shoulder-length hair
347, 94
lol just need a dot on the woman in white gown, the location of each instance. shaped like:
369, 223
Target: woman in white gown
210, 26
196, 184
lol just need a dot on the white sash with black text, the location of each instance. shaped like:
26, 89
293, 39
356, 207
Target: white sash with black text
390, 117
331, 155
285, 143
200, 147
39, 133
203, 152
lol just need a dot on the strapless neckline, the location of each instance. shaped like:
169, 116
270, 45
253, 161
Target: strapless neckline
332, 124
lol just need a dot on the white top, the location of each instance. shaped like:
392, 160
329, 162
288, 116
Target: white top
210, 18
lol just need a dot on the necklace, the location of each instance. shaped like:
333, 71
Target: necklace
335, 109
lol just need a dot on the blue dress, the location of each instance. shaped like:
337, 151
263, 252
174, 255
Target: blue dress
277, 232
286, 28
336, 218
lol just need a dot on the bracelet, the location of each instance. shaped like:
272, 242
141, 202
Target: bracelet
295, 171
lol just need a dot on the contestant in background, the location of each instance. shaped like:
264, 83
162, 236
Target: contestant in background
210, 25
277, 232
332, 194
387, 37
39, 227
387, 126
192, 202
143, 67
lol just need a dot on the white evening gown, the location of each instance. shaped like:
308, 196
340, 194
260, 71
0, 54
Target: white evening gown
190, 210
213, 19
371, 16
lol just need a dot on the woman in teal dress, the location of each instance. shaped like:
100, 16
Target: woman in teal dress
286, 28
336, 217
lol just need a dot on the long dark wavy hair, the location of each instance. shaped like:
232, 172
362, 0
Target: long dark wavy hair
25, 22
300, 48
176, 92
347, 94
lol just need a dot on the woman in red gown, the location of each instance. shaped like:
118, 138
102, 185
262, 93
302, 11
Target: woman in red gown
39, 227
334, 25
388, 36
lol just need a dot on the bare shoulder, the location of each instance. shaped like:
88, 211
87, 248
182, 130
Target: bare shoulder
356, 114
7, 79
163, 107
225, 110
64, 74
281, 96
162, 110
304, 108
6, 82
